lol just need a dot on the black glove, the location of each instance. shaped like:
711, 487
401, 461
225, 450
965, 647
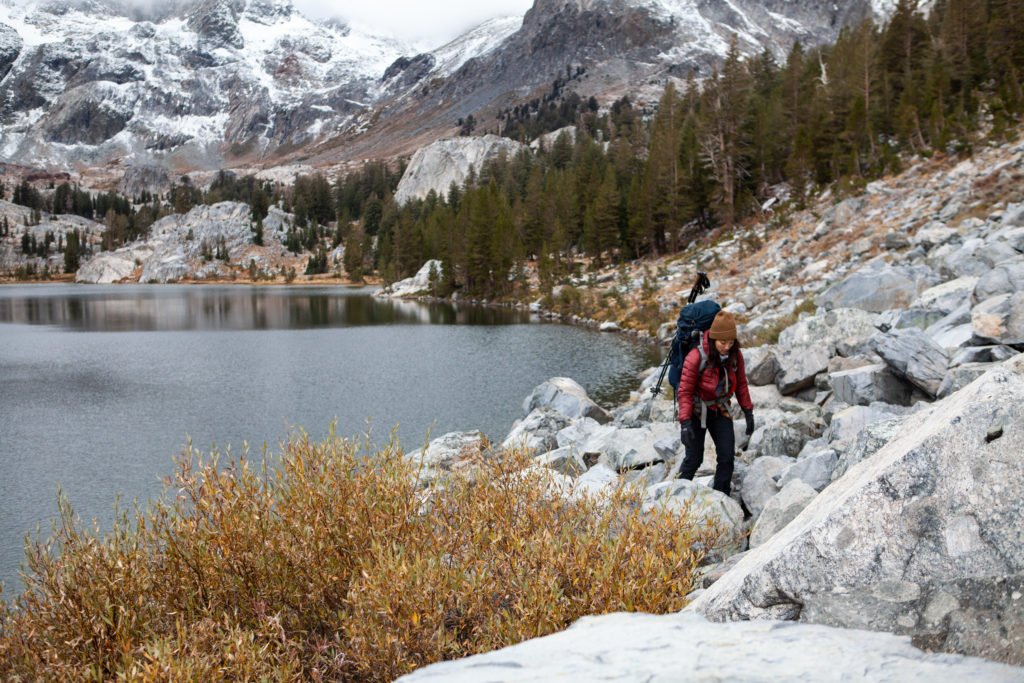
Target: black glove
686, 434
749, 416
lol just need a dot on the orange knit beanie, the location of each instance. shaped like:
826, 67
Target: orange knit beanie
724, 326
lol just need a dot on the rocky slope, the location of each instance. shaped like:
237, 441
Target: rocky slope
879, 490
17, 218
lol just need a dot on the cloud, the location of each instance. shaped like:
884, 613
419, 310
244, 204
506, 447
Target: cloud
425, 24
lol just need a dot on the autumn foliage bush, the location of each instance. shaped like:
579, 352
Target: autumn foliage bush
330, 561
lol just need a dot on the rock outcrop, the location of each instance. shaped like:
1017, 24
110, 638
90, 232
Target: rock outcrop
183, 246
443, 163
18, 217
935, 506
419, 283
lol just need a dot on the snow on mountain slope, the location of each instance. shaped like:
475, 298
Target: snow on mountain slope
474, 43
90, 84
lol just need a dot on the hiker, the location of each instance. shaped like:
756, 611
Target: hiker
704, 400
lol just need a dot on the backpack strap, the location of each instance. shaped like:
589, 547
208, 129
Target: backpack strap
722, 401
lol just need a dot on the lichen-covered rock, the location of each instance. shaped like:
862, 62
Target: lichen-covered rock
911, 354
781, 510
954, 330
798, 366
960, 376
900, 318
565, 460
938, 503
538, 431
760, 365
1006, 278
973, 616
758, 485
1000, 319
598, 481
842, 330
703, 505
565, 396
815, 469
934, 234
865, 440
865, 385
946, 297
778, 439
878, 287
452, 452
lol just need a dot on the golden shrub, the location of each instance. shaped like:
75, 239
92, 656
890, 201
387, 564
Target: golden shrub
330, 562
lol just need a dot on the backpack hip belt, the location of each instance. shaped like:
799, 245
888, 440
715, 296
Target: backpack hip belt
722, 403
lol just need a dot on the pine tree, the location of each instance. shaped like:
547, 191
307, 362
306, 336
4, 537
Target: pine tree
260, 204
533, 226
354, 254
723, 139
71, 252
661, 179
604, 217
561, 151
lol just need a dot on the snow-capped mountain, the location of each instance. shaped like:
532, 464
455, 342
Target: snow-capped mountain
219, 83
88, 81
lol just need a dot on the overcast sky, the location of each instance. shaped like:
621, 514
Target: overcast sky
425, 23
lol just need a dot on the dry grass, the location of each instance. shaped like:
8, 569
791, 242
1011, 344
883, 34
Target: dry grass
333, 563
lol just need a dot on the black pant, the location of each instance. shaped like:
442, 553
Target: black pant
724, 438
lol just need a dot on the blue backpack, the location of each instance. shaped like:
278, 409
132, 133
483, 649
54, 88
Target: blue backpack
694, 320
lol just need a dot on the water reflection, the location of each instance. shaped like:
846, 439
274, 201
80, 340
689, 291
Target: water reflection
211, 307
100, 415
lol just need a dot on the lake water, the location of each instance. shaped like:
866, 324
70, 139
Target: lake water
100, 386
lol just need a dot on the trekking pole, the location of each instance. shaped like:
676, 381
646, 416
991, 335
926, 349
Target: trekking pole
700, 284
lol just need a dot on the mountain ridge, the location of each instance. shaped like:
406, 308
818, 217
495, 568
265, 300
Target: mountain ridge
228, 83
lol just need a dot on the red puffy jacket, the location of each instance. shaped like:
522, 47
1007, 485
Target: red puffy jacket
707, 386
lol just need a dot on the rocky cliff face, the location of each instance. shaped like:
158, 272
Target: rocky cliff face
438, 165
623, 44
10, 48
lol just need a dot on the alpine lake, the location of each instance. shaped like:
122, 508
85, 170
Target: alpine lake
100, 386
